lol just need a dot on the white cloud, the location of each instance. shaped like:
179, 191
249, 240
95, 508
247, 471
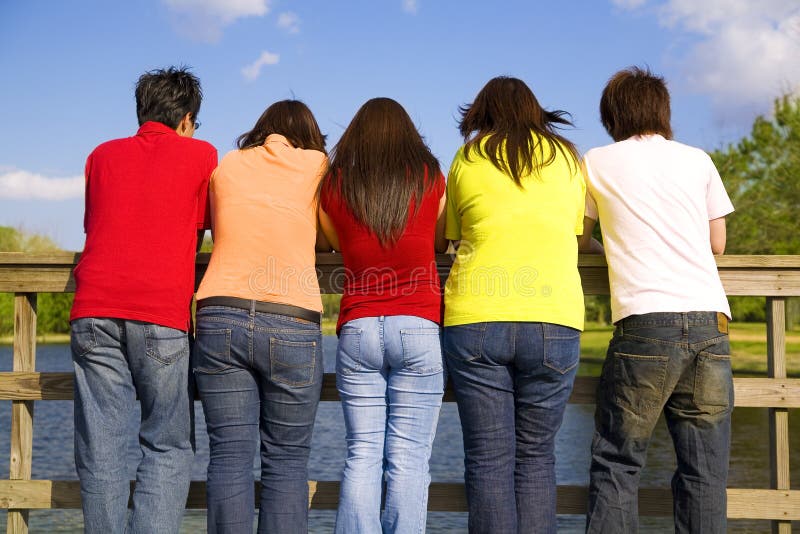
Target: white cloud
289, 21
410, 6
253, 70
18, 184
205, 19
743, 53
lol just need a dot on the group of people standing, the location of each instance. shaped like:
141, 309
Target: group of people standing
517, 206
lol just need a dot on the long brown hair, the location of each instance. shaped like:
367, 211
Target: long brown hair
635, 102
503, 118
289, 118
380, 166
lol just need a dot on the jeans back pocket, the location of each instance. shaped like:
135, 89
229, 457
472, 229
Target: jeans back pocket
639, 381
422, 350
212, 351
82, 337
713, 384
292, 362
348, 351
164, 344
562, 347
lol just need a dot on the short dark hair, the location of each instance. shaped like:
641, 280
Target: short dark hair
289, 118
167, 95
635, 102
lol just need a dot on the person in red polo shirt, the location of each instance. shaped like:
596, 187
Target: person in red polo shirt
146, 201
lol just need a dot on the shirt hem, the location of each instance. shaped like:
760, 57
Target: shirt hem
116, 313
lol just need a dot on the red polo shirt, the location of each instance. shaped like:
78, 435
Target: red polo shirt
146, 198
399, 280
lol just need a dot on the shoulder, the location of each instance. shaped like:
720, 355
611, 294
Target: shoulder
113, 146
197, 146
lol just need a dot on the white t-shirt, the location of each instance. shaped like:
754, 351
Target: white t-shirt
654, 199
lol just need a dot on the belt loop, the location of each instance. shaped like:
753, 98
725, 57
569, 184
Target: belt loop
685, 324
252, 308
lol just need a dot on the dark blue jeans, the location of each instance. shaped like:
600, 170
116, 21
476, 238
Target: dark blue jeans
679, 363
259, 375
512, 381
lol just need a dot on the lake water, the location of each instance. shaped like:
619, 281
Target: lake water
53, 455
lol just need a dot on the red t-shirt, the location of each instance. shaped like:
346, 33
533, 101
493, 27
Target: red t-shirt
146, 198
400, 280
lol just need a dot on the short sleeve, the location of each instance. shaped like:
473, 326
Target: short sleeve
580, 201
86, 172
718, 203
453, 218
203, 200
590, 204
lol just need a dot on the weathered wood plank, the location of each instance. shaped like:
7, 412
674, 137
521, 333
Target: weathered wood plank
749, 392
741, 275
24, 360
778, 417
443, 497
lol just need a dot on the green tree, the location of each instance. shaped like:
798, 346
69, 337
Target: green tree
762, 175
53, 308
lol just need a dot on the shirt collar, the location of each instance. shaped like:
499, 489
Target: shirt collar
155, 127
277, 138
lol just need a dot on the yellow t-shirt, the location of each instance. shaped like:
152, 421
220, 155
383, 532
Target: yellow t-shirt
264, 221
518, 256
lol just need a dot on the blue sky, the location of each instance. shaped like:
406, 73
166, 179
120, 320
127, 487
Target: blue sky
69, 70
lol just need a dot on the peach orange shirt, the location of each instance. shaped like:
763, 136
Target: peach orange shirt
264, 224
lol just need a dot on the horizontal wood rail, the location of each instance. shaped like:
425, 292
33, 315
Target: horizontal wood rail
775, 277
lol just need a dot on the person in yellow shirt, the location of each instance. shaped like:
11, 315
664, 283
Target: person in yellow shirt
513, 301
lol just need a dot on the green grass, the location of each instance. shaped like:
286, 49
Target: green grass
748, 349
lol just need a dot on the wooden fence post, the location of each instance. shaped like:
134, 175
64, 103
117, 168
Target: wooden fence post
22, 411
778, 417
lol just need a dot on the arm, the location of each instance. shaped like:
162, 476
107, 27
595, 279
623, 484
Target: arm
441, 242
586, 243
328, 230
322, 244
718, 235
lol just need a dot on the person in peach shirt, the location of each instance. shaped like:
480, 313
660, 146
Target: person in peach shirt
258, 357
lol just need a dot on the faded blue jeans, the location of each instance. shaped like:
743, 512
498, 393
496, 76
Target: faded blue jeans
512, 381
390, 378
115, 361
259, 376
679, 363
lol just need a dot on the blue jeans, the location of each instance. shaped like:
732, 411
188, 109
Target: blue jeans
115, 361
512, 381
390, 378
259, 376
679, 363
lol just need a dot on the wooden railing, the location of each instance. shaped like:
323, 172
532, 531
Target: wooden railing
775, 277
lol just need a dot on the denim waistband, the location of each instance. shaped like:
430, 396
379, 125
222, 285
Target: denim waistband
678, 319
254, 306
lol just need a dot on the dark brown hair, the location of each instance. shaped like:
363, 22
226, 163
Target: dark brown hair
289, 118
505, 114
635, 102
380, 167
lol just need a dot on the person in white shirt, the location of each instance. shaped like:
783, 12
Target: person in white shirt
662, 206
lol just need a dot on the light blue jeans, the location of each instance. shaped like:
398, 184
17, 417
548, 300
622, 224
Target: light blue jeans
390, 378
115, 361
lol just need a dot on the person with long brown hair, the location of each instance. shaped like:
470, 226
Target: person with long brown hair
382, 205
513, 302
258, 359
